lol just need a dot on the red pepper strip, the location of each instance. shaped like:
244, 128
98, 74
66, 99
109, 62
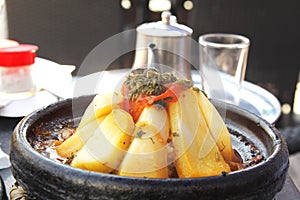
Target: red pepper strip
136, 107
170, 95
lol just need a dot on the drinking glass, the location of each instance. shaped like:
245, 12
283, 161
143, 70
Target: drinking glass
226, 54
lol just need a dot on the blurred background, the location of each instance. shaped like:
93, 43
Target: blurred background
67, 30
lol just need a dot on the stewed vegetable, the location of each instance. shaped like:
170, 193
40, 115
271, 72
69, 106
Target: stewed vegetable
156, 126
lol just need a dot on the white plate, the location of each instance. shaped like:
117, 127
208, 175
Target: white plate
21, 108
253, 98
260, 102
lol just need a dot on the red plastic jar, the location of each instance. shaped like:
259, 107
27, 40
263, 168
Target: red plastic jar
16, 79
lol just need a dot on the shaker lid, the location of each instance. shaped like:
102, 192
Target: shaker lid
167, 27
23, 54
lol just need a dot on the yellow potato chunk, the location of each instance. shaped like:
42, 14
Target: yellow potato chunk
101, 106
73, 144
195, 149
147, 154
216, 126
107, 147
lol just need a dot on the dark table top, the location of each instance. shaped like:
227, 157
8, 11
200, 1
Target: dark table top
288, 192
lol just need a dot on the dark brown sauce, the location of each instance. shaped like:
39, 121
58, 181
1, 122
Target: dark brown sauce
50, 135
47, 137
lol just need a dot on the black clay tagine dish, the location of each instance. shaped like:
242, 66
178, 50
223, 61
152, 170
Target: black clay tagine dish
252, 137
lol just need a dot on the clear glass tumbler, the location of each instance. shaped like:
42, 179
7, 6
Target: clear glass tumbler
225, 53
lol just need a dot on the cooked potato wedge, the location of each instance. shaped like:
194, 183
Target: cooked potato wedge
157, 116
147, 154
192, 141
73, 144
101, 105
92, 118
108, 145
216, 126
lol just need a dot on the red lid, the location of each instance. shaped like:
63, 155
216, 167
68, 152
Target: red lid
23, 54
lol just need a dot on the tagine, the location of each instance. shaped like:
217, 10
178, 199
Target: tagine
156, 126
